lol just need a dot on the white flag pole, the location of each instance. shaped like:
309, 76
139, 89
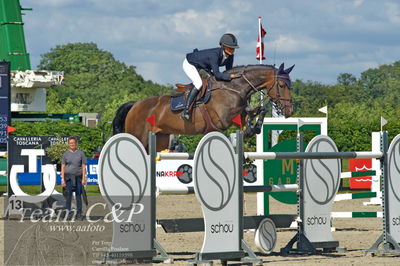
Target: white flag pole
259, 38
260, 54
300, 123
274, 133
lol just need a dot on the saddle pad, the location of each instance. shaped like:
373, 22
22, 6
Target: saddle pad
178, 103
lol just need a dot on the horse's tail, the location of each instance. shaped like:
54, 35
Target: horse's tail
118, 123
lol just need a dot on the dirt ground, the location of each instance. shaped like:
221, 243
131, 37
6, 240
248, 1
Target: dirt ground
355, 235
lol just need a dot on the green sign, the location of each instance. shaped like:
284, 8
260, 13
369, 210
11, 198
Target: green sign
278, 172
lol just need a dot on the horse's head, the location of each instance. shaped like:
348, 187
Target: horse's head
278, 90
276, 82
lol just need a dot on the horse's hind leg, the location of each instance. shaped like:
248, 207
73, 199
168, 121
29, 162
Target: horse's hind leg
162, 141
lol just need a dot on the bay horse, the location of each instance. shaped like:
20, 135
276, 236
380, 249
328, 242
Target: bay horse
229, 98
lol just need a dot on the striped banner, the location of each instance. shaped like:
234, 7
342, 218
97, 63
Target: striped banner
356, 215
357, 174
349, 196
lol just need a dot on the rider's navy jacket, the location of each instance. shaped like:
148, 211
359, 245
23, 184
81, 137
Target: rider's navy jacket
211, 59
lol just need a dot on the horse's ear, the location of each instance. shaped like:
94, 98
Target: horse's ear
289, 69
281, 67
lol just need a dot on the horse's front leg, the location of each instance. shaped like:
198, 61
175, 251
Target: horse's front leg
252, 112
260, 120
255, 128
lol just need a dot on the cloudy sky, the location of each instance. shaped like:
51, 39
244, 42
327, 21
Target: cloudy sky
323, 38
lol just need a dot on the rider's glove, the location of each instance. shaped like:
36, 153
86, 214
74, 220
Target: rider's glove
235, 76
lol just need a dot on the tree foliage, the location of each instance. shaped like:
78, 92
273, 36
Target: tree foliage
346, 79
56, 150
355, 105
93, 79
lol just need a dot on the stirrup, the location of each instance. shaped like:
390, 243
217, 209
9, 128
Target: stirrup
185, 115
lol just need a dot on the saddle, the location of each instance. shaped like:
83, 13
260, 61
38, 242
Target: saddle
178, 102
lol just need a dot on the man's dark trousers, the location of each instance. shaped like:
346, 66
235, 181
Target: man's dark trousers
78, 191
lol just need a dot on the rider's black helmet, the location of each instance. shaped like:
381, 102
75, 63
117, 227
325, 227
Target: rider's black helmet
229, 40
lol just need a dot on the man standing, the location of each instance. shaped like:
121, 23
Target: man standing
73, 174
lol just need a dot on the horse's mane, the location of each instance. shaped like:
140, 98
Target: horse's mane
240, 68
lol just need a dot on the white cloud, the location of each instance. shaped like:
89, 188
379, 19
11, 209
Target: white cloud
358, 2
54, 3
393, 12
149, 70
191, 22
290, 44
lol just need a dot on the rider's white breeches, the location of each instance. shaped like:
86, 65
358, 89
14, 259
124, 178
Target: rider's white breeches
192, 73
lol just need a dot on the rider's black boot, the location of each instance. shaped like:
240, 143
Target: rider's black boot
191, 97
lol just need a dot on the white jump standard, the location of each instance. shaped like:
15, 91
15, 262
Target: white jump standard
127, 180
389, 241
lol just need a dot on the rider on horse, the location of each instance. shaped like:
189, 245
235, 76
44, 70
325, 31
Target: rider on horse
209, 60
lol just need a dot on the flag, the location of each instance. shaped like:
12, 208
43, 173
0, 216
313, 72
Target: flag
10, 129
151, 120
238, 120
260, 42
383, 122
324, 109
300, 123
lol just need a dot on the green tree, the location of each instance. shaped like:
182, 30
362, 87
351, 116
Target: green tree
377, 81
346, 79
69, 105
93, 78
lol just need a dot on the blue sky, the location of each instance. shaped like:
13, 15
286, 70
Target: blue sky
323, 38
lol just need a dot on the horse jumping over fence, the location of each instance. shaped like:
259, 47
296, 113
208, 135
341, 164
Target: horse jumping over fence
228, 100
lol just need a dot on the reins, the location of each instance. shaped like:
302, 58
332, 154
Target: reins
259, 88
251, 84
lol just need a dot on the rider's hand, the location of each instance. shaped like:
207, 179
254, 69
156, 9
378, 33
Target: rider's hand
234, 76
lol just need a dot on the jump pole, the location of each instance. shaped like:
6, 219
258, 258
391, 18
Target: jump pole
310, 155
246, 189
